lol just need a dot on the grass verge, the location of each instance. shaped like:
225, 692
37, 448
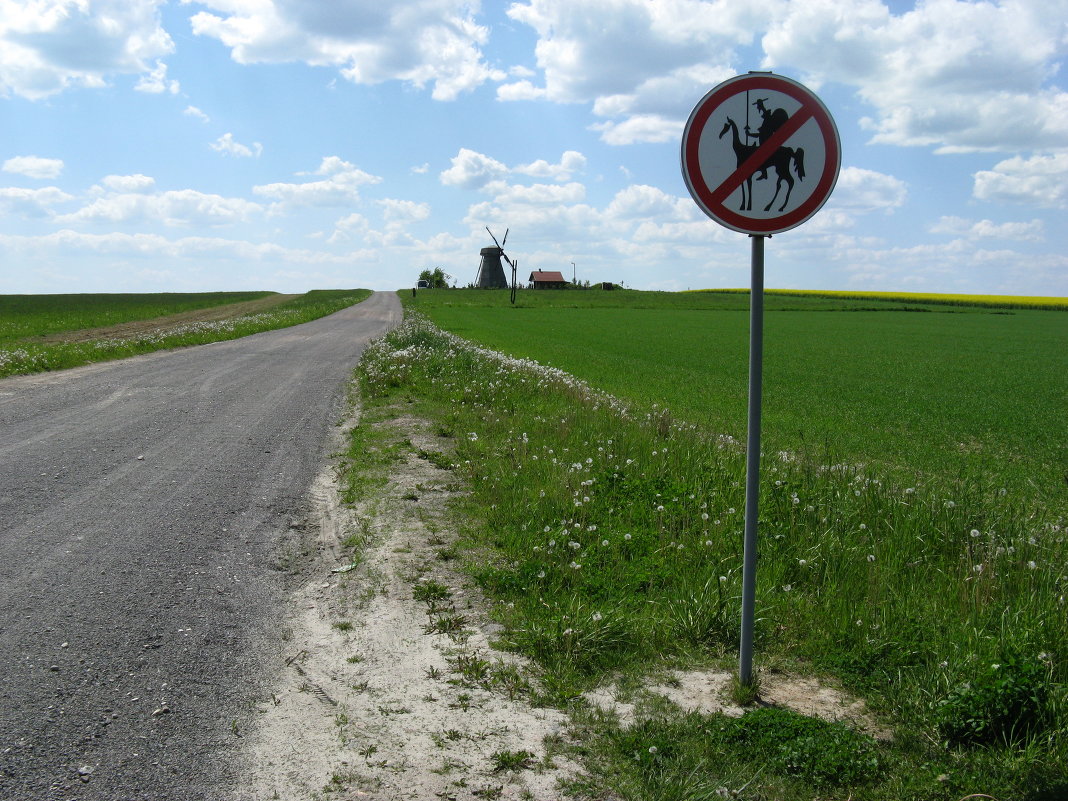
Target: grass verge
610, 537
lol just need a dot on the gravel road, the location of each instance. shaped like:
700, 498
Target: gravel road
143, 509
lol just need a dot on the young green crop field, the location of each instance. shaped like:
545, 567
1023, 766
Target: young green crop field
920, 387
52, 332
26, 316
929, 577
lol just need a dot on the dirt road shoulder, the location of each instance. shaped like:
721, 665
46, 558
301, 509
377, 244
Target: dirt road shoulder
387, 687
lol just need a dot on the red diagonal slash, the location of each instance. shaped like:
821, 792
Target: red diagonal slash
762, 154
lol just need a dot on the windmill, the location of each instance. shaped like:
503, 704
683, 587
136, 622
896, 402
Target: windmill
490, 269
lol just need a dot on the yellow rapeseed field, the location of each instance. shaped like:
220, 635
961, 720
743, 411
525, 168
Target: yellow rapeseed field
1003, 301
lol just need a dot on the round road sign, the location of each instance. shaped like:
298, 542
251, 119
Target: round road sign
760, 154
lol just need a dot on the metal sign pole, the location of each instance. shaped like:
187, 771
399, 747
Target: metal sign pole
752, 461
718, 174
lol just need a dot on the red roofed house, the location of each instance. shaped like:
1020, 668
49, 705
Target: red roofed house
542, 279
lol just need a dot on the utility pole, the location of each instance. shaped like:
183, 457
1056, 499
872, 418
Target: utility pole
574, 274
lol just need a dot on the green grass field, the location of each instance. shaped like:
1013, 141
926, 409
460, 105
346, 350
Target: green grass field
920, 388
25, 316
26, 320
607, 530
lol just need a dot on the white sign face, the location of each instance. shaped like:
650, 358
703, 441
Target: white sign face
760, 154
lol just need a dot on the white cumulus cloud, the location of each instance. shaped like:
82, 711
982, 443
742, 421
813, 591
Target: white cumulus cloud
864, 190
1033, 231
951, 74
182, 207
193, 111
129, 183
1041, 180
429, 42
642, 201
538, 194
34, 166
472, 170
31, 202
49, 45
642, 64
155, 82
639, 128
78, 243
228, 146
339, 186
570, 162
954, 75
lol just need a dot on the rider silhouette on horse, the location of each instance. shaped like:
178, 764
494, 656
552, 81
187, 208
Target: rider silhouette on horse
771, 121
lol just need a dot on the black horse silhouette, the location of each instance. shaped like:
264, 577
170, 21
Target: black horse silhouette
780, 161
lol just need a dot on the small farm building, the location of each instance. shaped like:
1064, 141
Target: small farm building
547, 279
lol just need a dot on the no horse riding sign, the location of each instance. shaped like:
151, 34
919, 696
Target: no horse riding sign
760, 154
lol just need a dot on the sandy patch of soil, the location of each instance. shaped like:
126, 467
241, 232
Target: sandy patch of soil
708, 692
369, 703
135, 328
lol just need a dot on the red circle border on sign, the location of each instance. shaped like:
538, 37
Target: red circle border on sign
702, 193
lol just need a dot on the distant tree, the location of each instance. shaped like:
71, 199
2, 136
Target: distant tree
436, 278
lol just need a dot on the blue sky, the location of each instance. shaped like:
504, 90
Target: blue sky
151, 146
